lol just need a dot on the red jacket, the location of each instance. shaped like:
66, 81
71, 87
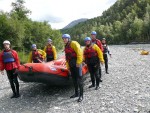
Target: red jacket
98, 43
11, 65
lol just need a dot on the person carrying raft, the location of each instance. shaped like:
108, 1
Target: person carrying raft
92, 57
50, 50
74, 58
9, 61
36, 55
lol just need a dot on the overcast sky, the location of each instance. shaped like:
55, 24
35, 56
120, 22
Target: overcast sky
59, 13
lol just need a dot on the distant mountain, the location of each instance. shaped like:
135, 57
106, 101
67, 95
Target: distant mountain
75, 22
124, 22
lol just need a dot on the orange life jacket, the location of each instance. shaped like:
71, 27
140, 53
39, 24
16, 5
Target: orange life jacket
70, 53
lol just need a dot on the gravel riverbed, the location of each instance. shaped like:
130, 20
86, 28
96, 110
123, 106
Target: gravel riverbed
126, 89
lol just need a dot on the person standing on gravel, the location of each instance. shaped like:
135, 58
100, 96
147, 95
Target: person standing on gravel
106, 50
92, 57
36, 55
99, 44
9, 61
74, 58
50, 50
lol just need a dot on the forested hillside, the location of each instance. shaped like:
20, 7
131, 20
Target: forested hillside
22, 32
125, 22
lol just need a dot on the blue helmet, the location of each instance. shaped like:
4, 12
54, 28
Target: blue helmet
93, 33
33, 45
66, 36
87, 39
49, 40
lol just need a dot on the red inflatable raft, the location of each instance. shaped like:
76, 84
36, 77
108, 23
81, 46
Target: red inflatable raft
52, 73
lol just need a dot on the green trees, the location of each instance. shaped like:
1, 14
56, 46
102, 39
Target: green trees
136, 28
125, 22
22, 31
19, 11
11, 29
146, 22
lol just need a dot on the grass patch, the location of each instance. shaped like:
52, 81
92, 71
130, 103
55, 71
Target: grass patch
23, 57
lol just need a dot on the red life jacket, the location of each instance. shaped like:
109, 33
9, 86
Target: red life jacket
91, 56
49, 51
36, 55
98, 43
9, 60
89, 52
70, 53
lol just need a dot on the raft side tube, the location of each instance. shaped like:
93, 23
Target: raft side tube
45, 78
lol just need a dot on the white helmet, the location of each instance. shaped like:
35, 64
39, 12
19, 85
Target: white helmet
49, 40
6, 42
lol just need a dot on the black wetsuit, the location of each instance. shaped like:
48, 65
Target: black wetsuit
106, 50
12, 76
76, 73
48, 59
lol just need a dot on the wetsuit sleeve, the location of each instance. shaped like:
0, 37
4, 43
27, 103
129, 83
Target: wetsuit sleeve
54, 52
100, 45
1, 62
30, 57
43, 53
44, 49
76, 46
99, 52
67, 65
16, 58
83, 54
108, 50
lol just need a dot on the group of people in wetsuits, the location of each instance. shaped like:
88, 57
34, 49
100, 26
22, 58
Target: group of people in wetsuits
94, 53
38, 56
